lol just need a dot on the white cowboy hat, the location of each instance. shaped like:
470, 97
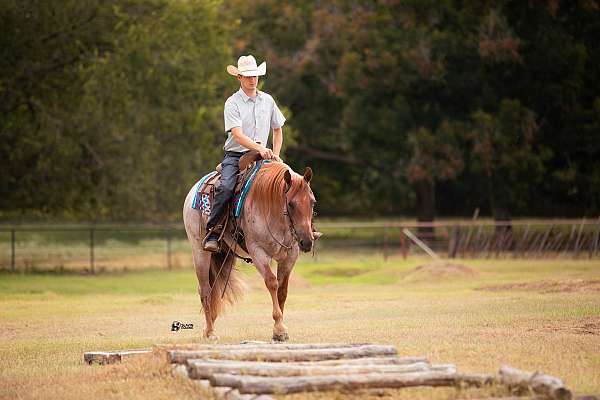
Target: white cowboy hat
247, 67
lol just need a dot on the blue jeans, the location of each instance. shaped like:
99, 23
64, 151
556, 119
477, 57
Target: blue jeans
224, 192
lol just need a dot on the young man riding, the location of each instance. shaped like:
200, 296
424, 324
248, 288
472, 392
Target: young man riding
249, 116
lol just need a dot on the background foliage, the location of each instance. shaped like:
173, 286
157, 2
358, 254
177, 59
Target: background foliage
109, 110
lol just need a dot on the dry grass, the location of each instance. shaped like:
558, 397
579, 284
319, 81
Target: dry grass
46, 323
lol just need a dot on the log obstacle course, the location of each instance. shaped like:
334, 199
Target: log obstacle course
261, 370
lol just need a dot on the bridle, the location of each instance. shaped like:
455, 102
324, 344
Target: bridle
292, 228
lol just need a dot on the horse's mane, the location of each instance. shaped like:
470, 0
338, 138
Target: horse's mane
268, 189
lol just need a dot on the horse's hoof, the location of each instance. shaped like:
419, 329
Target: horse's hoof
281, 337
211, 338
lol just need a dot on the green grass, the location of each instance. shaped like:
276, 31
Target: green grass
47, 321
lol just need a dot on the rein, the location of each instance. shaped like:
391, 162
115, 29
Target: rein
292, 228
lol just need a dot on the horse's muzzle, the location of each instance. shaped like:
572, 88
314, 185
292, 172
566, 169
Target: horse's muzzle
306, 245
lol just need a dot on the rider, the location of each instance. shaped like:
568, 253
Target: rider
249, 115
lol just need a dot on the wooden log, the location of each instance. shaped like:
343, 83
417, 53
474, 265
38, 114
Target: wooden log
199, 369
348, 361
111, 357
260, 345
368, 361
181, 370
285, 385
203, 383
545, 385
280, 355
227, 393
186, 351
234, 394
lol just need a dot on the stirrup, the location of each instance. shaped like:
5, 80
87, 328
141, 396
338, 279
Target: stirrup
218, 240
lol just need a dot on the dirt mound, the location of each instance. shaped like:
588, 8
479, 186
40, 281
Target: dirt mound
572, 285
439, 271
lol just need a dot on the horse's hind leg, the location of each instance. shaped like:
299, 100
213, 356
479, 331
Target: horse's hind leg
202, 265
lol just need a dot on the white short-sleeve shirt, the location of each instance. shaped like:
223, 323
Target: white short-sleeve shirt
256, 116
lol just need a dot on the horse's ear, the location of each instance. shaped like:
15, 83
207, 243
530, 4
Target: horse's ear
288, 180
307, 174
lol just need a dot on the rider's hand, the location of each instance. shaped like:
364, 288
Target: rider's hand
267, 154
278, 159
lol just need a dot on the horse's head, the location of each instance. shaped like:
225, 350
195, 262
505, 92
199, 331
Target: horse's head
300, 202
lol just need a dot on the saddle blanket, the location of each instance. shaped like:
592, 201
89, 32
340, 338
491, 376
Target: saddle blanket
201, 200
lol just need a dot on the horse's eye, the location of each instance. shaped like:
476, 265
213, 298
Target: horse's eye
291, 205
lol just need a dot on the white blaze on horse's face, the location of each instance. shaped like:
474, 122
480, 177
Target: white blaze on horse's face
300, 204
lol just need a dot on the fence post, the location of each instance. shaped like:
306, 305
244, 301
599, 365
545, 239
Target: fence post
520, 247
453, 243
403, 246
475, 253
12, 250
578, 240
168, 248
385, 243
92, 251
594, 245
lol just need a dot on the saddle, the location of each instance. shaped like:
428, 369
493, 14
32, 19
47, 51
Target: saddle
227, 227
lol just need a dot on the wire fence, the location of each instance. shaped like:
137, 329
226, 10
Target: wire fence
93, 249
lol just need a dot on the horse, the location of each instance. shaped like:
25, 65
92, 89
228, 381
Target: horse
276, 220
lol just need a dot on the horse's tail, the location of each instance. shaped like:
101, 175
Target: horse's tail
229, 277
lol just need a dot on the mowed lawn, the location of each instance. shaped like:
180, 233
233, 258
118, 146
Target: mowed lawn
536, 315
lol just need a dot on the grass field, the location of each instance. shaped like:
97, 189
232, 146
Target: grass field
536, 315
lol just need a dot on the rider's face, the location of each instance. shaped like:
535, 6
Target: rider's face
248, 83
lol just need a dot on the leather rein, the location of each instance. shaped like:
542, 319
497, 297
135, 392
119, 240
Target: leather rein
292, 228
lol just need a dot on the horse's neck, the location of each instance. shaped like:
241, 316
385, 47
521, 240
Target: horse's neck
276, 224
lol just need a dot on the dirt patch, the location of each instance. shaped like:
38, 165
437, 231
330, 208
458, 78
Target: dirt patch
440, 271
573, 285
341, 272
588, 326
584, 326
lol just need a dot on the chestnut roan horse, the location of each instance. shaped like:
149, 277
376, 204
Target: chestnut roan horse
277, 223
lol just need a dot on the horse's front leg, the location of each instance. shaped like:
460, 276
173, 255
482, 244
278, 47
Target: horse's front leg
262, 262
284, 269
